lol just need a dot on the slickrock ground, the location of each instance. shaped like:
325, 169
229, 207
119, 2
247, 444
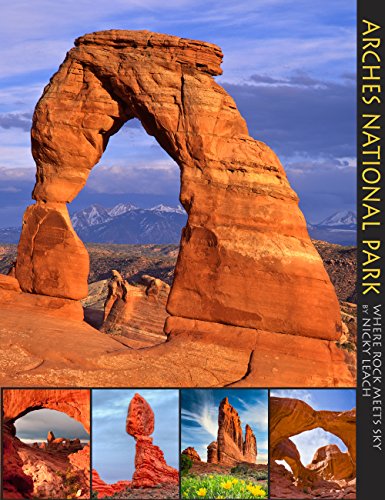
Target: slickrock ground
250, 291
331, 474
45, 350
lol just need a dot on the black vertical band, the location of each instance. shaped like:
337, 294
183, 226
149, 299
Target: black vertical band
370, 252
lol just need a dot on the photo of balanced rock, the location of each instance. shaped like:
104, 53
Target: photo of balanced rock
250, 302
46, 449
313, 444
224, 443
126, 463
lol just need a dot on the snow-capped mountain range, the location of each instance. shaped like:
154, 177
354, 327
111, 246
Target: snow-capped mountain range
345, 219
340, 227
127, 223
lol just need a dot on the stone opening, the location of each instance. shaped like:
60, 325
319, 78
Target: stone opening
226, 253
53, 468
36, 424
318, 438
331, 468
138, 320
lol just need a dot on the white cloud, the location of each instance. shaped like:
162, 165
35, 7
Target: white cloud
302, 394
255, 414
36, 424
309, 442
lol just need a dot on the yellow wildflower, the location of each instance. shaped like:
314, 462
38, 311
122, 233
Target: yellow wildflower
235, 481
201, 492
227, 485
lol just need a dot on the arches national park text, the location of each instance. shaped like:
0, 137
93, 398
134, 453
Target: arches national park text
370, 250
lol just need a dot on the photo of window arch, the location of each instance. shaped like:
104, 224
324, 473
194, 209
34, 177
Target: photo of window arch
46, 443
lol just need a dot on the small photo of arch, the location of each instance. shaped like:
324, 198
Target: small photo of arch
46, 443
312, 438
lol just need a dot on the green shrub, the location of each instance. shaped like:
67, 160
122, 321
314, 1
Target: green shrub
221, 486
185, 463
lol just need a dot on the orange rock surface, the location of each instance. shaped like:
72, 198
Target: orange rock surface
212, 453
289, 417
329, 462
30, 471
51, 259
16, 484
151, 468
257, 265
107, 490
137, 313
249, 445
230, 448
191, 452
140, 417
330, 471
74, 402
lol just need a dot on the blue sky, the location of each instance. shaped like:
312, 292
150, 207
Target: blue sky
35, 426
200, 417
321, 399
113, 450
289, 64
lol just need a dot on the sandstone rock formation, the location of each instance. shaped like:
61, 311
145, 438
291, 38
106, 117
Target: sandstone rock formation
74, 402
135, 312
212, 453
140, 417
50, 436
289, 417
330, 468
248, 283
151, 468
107, 490
16, 484
33, 471
167, 82
230, 448
51, 251
329, 462
249, 445
192, 453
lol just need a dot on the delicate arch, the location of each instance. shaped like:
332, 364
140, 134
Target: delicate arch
245, 258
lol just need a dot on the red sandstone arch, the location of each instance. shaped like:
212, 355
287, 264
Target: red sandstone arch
19, 402
289, 417
74, 402
245, 258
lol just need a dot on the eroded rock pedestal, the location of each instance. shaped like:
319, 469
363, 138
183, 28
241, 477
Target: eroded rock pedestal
151, 468
230, 447
246, 268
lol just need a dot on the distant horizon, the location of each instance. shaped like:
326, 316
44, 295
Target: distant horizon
36, 424
148, 206
290, 67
